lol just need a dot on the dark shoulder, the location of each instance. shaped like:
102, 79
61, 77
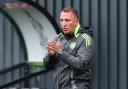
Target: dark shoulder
87, 39
87, 30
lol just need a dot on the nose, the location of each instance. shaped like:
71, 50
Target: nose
63, 23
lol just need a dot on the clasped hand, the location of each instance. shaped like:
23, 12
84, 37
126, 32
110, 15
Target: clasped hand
54, 47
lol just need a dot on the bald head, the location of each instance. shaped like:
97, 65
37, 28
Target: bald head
71, 9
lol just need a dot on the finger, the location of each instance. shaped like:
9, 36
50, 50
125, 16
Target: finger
51, 48
53, 42
50, 43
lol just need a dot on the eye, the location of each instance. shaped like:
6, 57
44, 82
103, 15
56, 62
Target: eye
61, 20
67, 20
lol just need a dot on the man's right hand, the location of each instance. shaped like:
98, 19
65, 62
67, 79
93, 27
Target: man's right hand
50, 48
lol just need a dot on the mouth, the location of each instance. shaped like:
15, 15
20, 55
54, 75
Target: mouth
65, 29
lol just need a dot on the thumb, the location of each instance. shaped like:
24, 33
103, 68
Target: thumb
58, 40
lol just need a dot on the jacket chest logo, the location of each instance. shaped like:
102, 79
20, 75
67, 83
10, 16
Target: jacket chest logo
72, 45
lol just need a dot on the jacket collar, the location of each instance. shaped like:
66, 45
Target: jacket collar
76, 31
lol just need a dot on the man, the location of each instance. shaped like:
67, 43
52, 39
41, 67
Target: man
70, 54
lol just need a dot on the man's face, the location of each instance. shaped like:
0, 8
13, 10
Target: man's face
68, 22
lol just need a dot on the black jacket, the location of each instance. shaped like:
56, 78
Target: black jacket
73, 66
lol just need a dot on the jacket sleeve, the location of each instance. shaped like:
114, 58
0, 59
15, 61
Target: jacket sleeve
49, 61
82, 59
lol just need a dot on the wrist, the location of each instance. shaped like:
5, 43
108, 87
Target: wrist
51, 53
59, 53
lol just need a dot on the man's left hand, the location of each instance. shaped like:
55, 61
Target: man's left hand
58, 46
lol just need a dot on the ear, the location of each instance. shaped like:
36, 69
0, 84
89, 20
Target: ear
76, 21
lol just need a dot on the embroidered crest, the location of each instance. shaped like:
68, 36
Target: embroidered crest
72, 45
